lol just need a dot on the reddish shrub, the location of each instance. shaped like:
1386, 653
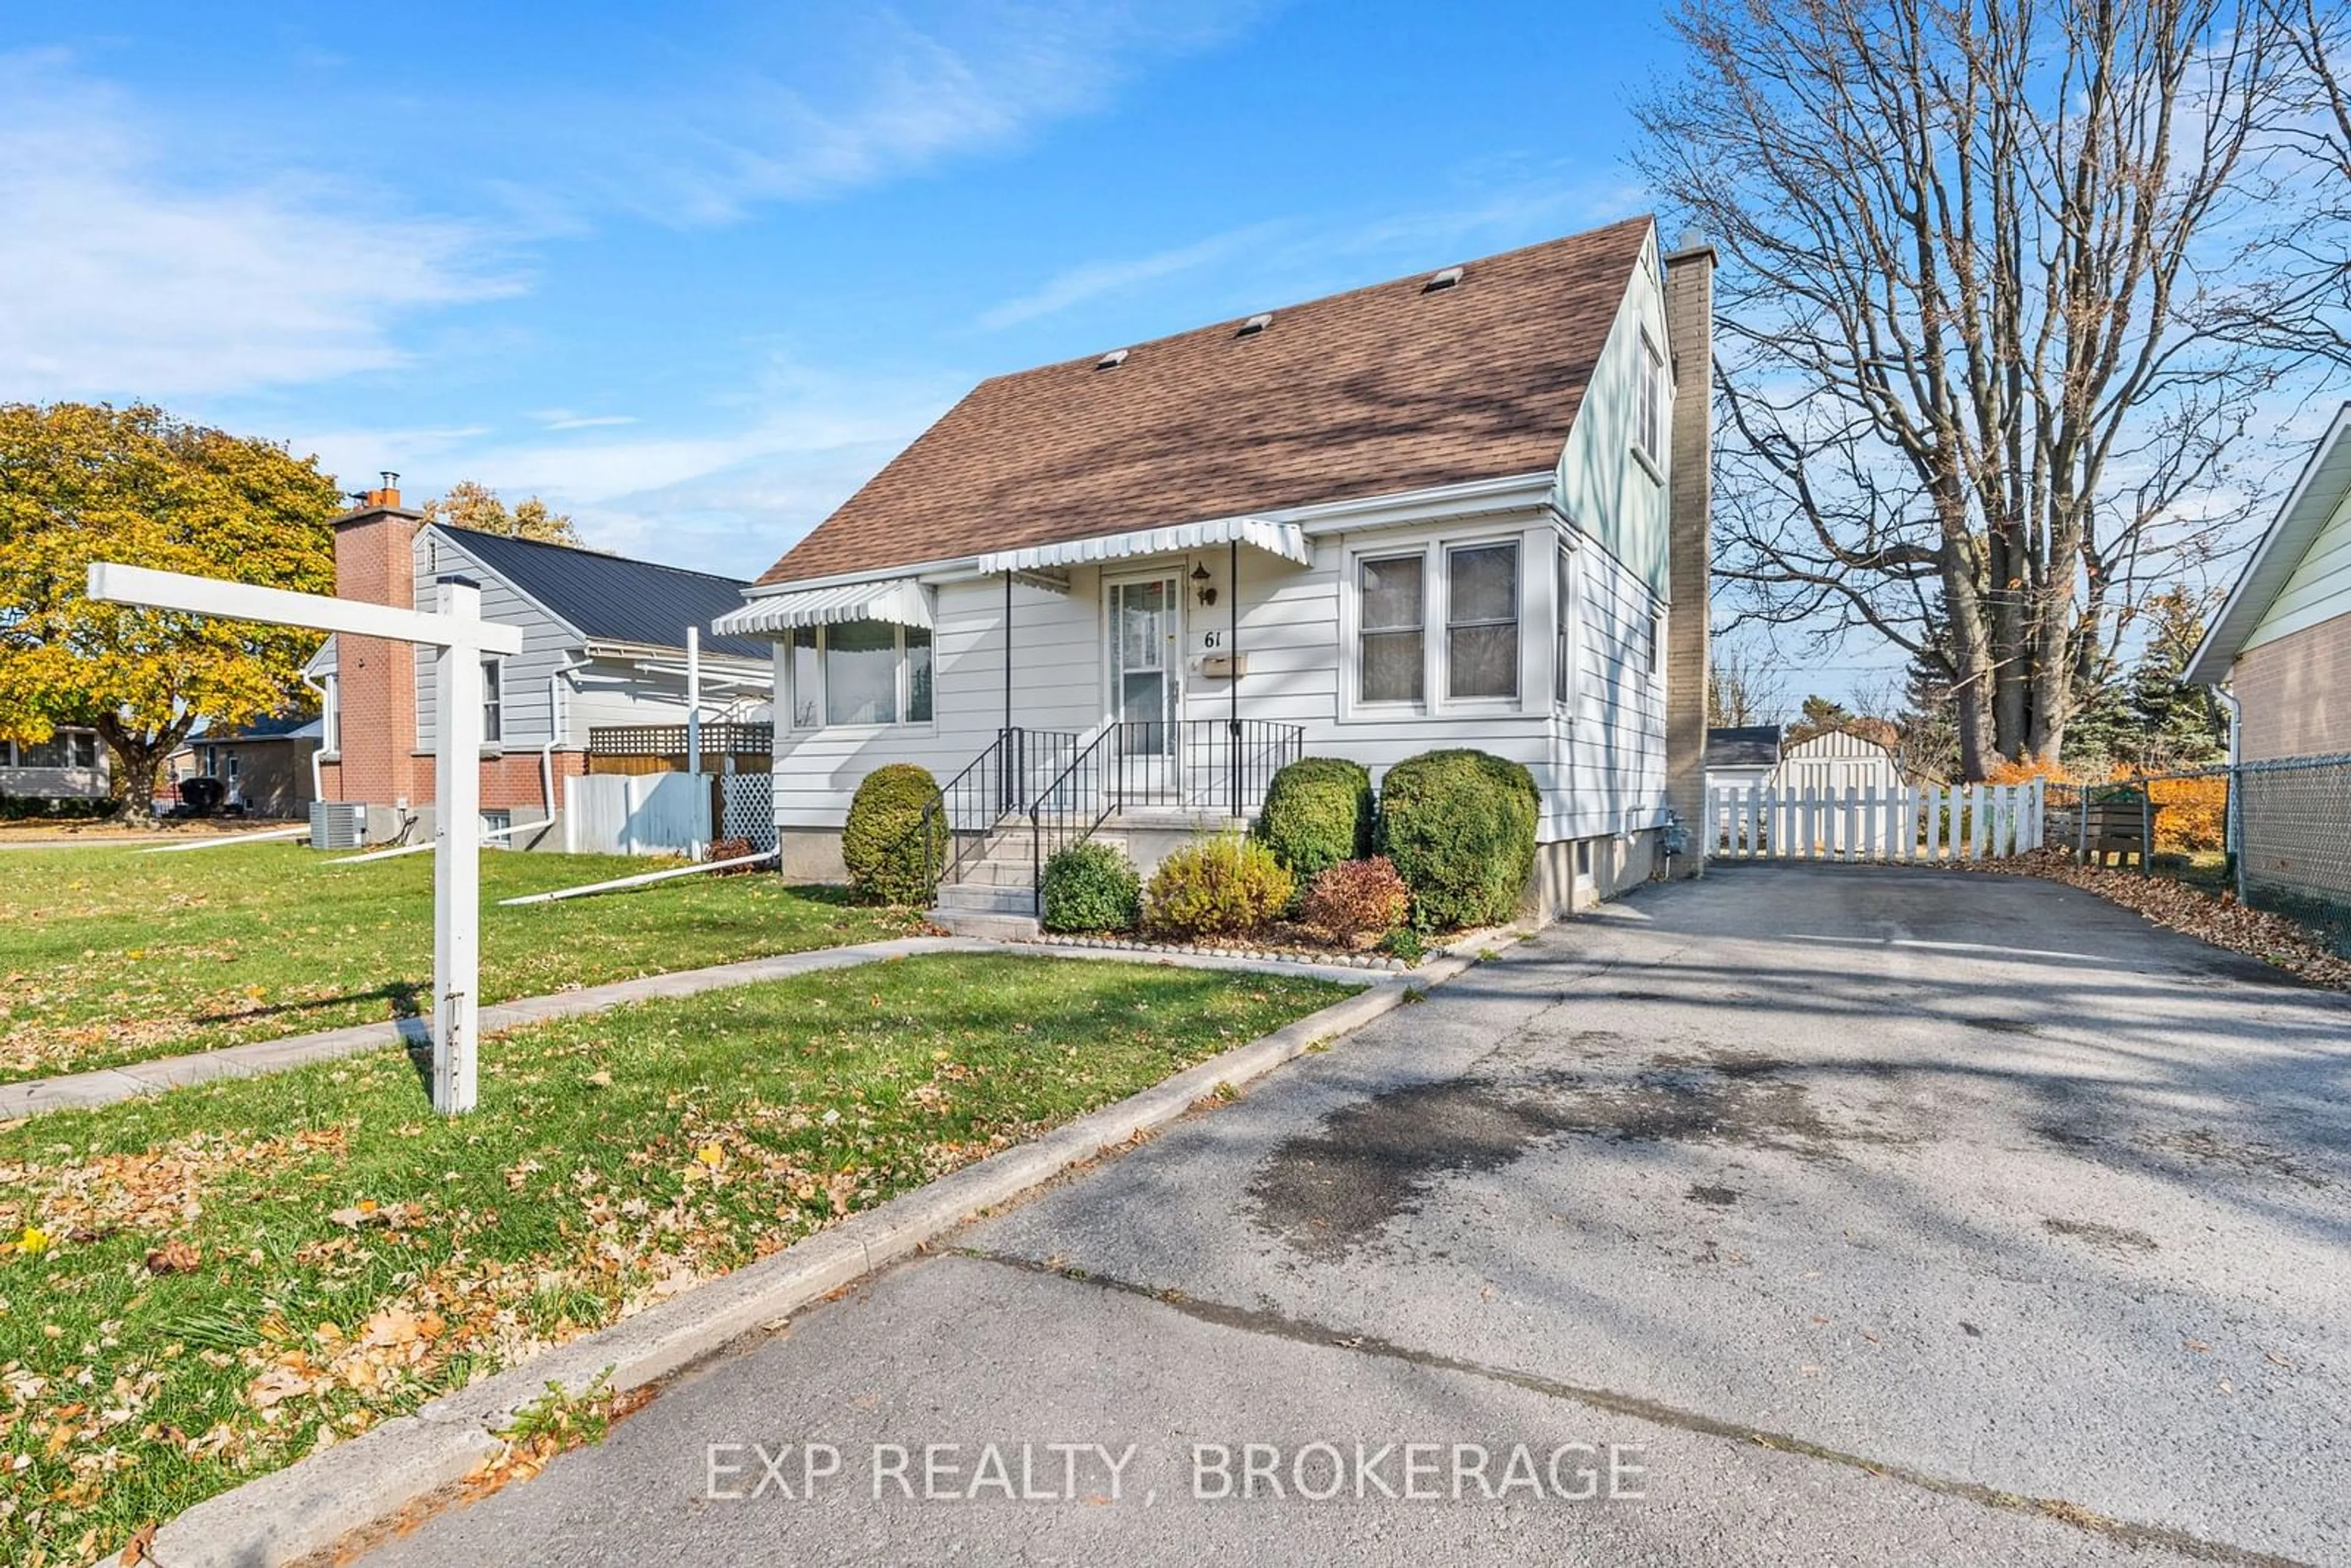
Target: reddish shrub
1356, 901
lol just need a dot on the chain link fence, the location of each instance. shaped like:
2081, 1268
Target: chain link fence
2278, 833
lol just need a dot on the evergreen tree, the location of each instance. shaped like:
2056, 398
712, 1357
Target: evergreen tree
2179, 726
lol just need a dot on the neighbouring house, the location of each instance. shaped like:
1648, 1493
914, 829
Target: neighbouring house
603, 651
269, 767
1838, 762
1741, 756
1465, 509
72, 765
2281, 647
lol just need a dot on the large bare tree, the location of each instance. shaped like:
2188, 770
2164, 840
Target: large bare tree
1971, 381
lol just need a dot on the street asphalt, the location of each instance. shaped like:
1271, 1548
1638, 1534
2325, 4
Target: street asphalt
1803, 1215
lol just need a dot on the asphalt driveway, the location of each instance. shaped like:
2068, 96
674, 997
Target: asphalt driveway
1855, 1215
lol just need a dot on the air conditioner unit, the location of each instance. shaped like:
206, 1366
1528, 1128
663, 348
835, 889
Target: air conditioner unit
337, 824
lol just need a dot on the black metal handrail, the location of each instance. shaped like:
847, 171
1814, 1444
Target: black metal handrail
1202, 763
955, 828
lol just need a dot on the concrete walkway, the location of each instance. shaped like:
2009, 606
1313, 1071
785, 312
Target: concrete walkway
107, 1085
1880, 1216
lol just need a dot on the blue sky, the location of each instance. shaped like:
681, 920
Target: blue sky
693, 272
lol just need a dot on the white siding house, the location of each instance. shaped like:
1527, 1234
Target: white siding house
1434, 513
72, 765
604, 644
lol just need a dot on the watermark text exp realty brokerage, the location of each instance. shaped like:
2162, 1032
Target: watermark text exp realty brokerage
1315, 1471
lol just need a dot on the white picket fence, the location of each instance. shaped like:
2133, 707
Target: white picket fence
1933, 822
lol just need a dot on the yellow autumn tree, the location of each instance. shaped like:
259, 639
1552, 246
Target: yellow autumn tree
469, 504
82, 482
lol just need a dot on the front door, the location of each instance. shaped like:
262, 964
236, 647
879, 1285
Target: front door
1144, 686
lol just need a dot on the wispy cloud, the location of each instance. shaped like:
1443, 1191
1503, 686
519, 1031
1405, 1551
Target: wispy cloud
120, 272
1299, 259
1095, 279
564, 419
729, 496
885, 98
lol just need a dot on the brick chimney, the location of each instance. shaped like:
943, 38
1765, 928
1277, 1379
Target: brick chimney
1689, 329
375, 678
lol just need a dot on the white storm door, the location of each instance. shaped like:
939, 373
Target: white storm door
1144, 688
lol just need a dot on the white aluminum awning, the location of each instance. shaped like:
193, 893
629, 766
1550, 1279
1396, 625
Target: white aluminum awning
1287, 541
902, 601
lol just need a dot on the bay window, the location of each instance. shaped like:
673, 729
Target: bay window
1436, 625
860, 673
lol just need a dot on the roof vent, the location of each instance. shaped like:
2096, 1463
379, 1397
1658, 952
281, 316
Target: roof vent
1111, 361
1255, 324
1445, 279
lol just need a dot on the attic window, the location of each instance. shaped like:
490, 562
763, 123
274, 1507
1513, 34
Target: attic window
1111, 361
1255, 324
1441, 280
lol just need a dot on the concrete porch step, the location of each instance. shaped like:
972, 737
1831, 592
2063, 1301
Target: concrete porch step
990, 927
986, 898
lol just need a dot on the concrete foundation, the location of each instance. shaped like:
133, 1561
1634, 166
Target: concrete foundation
1573, 874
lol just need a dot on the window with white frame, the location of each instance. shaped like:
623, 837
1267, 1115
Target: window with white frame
1562, 655
1652, 633
860, 673
493, 701
1481, 622
1649, 417
330, 714
1392, 600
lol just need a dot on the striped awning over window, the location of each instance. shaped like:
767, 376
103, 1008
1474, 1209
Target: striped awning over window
901, 600
1287, 541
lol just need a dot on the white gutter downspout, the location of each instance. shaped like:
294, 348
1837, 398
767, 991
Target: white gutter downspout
554, 734
2233, 823
318, 780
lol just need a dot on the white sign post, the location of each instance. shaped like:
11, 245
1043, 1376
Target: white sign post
458, 637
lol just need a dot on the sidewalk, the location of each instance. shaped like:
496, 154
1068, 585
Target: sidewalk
107, 1085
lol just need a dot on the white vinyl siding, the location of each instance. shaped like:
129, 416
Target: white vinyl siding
2319, 589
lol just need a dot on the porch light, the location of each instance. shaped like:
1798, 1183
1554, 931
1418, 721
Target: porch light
1200, 580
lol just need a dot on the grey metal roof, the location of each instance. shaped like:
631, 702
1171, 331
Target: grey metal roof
612, 599
1743, 746
279, 727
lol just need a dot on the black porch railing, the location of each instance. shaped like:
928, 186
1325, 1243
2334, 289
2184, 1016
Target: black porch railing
1204, 764
998, 783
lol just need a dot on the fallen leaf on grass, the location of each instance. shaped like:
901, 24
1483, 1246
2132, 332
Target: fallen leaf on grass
174, 1257
136, 1549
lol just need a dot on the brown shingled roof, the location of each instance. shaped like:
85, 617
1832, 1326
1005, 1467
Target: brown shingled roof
1382, 390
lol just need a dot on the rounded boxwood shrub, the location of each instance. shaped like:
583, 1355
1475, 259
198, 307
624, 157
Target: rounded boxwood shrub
1091, 886
1318, 814
891, 858
1460, 828
1224, 886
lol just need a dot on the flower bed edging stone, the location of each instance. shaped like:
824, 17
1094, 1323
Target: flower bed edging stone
1468, 944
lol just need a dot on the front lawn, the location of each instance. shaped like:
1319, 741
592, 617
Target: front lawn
109, 955
204, 1285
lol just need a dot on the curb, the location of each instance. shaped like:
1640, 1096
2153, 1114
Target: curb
311, 1505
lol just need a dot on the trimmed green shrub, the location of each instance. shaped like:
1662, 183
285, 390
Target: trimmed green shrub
1318, 814
891, 858
1091, 886
1224, 886
1355, 902
1460, 827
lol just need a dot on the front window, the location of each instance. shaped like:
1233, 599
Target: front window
493, 703
1481, 622
1391, 633
861, 673
49, 753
